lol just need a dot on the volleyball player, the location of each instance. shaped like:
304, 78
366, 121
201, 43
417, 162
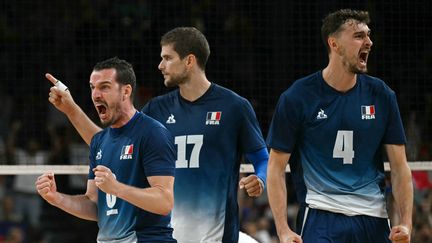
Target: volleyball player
331, 126
130, 183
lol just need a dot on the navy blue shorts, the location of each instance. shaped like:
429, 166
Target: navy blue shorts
327, 227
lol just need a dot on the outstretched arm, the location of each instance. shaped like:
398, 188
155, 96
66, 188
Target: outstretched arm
277, 194
82, 206
402, 188
63, 101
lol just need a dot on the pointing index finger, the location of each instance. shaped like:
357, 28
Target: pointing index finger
51, 78
57, 83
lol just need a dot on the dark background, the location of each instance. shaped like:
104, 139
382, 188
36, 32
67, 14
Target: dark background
258, 48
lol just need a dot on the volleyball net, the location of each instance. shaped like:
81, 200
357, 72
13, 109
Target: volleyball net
84, 169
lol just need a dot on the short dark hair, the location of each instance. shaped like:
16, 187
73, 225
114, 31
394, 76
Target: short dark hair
124, 70
188, 40
332, 22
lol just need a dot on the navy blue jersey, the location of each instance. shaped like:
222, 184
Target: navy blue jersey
141, 148
335, 140
211, 134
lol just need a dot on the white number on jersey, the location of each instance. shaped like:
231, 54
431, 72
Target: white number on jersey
343, 147
181, 142
111, 201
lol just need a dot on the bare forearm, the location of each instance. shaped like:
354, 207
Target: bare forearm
78, 205
401, 182
82, 123
277, 194
403, 193
155, 199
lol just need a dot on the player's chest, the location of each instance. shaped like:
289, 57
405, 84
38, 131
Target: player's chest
359, 113
208, 120
118, 155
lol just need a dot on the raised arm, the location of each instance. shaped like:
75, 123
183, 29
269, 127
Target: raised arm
402, 188
82, 206
277, 194
158, 198
63, 101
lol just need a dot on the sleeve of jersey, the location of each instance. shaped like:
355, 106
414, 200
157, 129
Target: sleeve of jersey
250, 133
92, 158
395, 133
158, 153
259, 160
285, 124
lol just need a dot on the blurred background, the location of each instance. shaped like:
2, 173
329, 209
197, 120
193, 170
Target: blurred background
258, 48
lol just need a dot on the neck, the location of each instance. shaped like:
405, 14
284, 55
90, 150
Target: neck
126, 114
195, 87
338, 76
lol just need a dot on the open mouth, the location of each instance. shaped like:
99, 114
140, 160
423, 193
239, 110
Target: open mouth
363, 57
101, 109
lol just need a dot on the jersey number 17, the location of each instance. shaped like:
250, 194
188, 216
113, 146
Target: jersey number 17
182, 142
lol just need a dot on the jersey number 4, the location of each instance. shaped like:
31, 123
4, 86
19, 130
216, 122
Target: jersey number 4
182, 142
343, 147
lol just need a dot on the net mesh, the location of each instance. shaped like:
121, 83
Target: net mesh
258, 49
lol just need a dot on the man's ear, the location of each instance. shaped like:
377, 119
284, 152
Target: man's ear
332, 42
127, 91
190, 60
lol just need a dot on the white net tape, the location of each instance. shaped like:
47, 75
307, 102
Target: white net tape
84, 169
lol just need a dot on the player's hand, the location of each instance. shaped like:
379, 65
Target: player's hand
105, 180
290, 237
252, 185
47, 188
60, 98
400, 234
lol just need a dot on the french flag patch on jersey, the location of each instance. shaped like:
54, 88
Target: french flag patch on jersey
127, 152
213, 118
368, 112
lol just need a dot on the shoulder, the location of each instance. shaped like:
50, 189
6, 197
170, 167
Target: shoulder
160, 100
230, 96
149, 123
306, 83
154, 129
375, 85
165, 97
98, 137
303, 87
154, 134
